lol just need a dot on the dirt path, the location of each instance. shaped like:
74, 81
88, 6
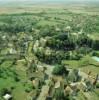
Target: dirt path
45, 88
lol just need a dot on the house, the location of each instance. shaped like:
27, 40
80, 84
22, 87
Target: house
57, 29
36, 82
12, 51
75, 88
4, 37
7, 97
89, 84
82, 86
40, 68
57, 85
38, 77
67, 91
37, 74
74, 76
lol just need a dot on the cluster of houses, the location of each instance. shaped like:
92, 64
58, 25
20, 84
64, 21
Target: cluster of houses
70, 86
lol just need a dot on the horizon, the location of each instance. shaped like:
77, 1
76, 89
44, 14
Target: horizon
12, 3
49, 0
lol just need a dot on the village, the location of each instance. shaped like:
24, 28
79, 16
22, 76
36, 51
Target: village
49, 52
47, 81
56, 86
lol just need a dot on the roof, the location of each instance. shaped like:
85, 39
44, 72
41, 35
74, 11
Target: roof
73, 84
68, 90
57, 84
7, 96
37, 75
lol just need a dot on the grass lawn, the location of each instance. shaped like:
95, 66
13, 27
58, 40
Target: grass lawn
18, 93
44, 23
6, 64
95, 36
6, 83
86, 64
81, 96
71, 63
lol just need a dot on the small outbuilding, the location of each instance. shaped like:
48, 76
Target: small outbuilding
7, 97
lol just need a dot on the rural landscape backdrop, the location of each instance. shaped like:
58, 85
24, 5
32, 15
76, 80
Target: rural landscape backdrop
49, 49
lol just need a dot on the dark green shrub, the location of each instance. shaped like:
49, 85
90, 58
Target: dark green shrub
60, 70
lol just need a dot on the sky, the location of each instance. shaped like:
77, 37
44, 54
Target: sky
47, 0
10, 3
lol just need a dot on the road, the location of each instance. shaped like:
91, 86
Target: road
45, 88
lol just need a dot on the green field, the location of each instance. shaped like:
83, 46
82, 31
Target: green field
86, 64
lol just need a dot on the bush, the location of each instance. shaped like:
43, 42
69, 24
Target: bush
60, 70
17, 79
97, 85
95, 54
96, 45
28, 88
5, 91
59, 94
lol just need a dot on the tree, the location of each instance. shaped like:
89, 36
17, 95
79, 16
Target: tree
74, 76
5, 91
60, 70
32, 68
84, 40
59, 94
95, 44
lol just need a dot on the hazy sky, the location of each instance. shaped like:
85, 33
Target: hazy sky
49, 0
